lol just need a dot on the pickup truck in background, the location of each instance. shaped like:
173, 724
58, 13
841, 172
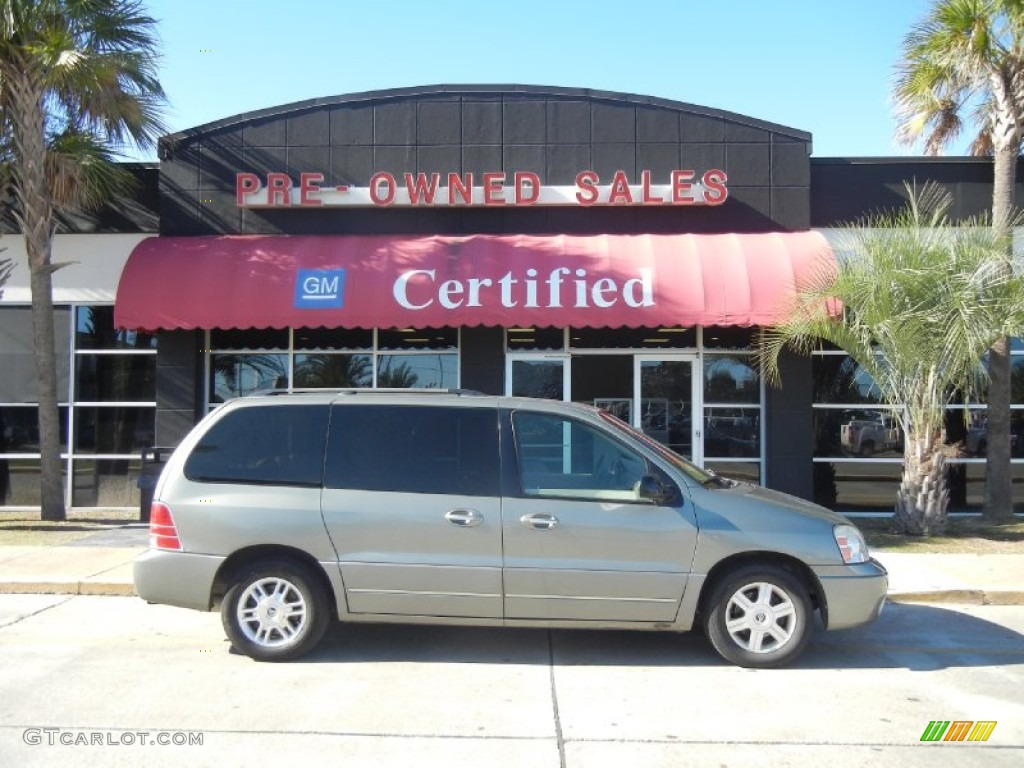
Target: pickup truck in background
869, 432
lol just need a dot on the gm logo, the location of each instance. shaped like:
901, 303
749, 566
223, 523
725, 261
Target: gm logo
320, 288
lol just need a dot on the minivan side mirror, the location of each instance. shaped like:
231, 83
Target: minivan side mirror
653, 489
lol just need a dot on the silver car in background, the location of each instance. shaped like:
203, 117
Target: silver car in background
291, 510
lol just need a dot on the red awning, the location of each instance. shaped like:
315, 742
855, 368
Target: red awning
269, 281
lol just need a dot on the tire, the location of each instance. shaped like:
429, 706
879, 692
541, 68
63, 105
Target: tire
275, 610
759, 616
867, 448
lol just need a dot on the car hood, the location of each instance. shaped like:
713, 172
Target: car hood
785, 501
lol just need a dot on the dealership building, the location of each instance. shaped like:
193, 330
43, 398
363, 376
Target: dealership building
608, 248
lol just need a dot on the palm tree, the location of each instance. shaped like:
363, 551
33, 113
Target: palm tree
77, 82
968, 55
921, 302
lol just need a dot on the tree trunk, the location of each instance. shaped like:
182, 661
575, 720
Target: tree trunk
923, 498
998, 480
35, 213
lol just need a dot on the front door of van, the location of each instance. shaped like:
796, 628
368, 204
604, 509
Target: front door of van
580, 543
412, 505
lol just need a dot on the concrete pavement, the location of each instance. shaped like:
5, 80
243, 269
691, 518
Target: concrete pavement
101, 564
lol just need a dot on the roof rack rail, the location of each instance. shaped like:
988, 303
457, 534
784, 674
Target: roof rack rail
367, 391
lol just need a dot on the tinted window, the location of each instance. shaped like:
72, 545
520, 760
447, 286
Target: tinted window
270, 445
414, 449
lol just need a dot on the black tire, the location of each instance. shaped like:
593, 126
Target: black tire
867, 448
759, 637
275, 610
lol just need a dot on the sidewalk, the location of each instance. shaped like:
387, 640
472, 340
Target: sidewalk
101, 564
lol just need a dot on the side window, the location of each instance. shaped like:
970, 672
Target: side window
562, 457
414, 449
266, 445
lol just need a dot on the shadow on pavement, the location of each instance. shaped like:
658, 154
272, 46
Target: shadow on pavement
907, 636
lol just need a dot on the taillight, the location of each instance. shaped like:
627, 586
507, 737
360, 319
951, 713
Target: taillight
162, 533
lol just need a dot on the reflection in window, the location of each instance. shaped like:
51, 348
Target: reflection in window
730, 379
422, 371
863, 432
105, 429
94, 329
240, 375
19, 428
315, 371
106, 483
839, 379
744, 471
732, 432
538, 378
115, 378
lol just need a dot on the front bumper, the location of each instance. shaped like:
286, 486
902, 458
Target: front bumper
853, 595
175, 578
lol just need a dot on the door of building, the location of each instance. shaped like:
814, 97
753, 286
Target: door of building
667, 401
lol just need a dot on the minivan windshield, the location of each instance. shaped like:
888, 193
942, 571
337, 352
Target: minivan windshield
705, 477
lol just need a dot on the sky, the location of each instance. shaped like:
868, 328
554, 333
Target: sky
822, 66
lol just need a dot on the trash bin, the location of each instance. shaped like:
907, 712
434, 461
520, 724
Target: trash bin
152, 465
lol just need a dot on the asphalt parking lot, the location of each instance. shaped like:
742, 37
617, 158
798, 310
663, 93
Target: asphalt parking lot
118, 672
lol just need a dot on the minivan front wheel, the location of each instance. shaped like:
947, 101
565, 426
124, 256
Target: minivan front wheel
759, 616
275, 611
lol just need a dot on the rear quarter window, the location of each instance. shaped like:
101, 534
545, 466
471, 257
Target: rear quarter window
414, 449
263, 445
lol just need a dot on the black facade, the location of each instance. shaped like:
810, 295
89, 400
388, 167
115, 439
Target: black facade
554, 132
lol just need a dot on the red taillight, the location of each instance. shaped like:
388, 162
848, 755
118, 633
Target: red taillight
162, 533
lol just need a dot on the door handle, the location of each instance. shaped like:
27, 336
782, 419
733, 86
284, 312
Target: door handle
465, 518
539, 521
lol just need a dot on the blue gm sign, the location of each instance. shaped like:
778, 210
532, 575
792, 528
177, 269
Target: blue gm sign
320, 288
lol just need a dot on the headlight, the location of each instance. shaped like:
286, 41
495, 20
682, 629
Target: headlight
851, 544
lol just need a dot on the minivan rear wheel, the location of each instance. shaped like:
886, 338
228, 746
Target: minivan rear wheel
275, 610
759, 616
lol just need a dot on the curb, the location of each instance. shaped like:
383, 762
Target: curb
960, 597
109, 589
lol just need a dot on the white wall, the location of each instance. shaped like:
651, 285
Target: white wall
94, 267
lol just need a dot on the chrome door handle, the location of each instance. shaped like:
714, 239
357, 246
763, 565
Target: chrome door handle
539, 521
465, 518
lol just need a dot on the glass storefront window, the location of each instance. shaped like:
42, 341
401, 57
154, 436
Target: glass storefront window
106, 483
242, 374
632, 338
839, 379
115, 378
438, 371
856, 432
354, 339
529, 339
114, 429
861, 486
744, 471
235, 339
19, 428
19, 482
732, 432
94, 329
730, 379
333, 370
728, 337
418, 338
538, 378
